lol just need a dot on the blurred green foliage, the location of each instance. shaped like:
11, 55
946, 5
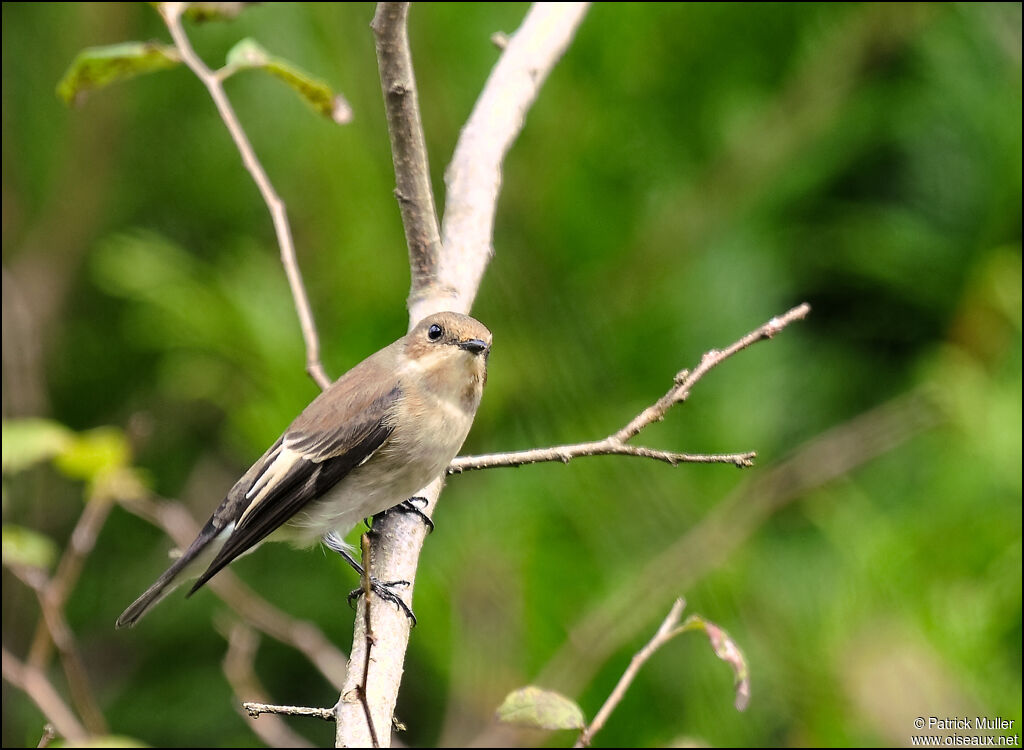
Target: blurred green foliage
687, 172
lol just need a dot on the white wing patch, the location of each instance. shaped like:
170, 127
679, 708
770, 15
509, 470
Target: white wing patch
274, 472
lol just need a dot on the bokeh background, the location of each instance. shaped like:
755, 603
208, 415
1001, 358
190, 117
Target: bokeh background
688, 172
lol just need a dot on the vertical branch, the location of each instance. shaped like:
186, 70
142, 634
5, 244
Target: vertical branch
442, 279
368, 633
408, 148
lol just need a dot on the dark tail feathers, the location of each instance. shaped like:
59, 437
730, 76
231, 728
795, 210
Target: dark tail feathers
167, 582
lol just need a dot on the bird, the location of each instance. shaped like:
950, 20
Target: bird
367, 443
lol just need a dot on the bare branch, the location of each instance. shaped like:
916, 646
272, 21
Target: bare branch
396, 544
616, 444
255, 709
685, 380
243, 642
172, 13
820, 460
608, 447
624, 611
49, 735
53, 629
408, 147
35, 685
666, 632
370, 640
473, 177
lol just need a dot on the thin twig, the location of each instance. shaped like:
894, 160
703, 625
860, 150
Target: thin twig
364, 542
171, 13
820, 460
624, 611
53, 628
615, 444
408, 146
239, 669
668, 630
83, 539
37, 687
255, 709
607, 447
49, 735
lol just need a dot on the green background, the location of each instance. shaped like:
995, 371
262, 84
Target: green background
688, 172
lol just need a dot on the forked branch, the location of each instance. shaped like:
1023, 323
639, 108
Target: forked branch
617, 443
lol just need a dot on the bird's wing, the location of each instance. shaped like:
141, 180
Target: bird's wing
340, 430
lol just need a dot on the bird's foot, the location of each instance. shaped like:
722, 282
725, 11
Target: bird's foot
415, 505
385, 590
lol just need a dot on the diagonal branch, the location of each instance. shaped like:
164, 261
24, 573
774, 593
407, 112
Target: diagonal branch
668, 630
615, 444
473, 178
239, 669
53, 629
36, 686
171, 13
408, 147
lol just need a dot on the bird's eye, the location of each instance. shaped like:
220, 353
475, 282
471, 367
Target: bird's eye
434, 332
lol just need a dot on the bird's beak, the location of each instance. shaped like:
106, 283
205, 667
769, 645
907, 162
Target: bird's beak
476, 346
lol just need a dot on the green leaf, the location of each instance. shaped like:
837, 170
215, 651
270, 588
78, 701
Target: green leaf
94, 453
725, 649
96, 67
23, 546
542, 709
248, 54
29, 441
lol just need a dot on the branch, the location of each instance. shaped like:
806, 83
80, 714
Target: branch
243, 643
473, 179
620, 615
616, 444
370, 639
255, 709
53, 629
668, 630
171, 13
408, 147
822, 459
610, 446
35, 685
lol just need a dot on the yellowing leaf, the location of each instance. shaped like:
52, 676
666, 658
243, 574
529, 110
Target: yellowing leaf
96, 67
725, 649
249, 54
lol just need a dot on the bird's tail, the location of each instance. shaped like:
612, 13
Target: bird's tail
168, 581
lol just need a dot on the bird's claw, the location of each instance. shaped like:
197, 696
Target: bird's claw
383, 590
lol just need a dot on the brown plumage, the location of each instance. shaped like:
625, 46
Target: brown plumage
382, 431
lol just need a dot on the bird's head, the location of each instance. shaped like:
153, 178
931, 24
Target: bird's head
450, 349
